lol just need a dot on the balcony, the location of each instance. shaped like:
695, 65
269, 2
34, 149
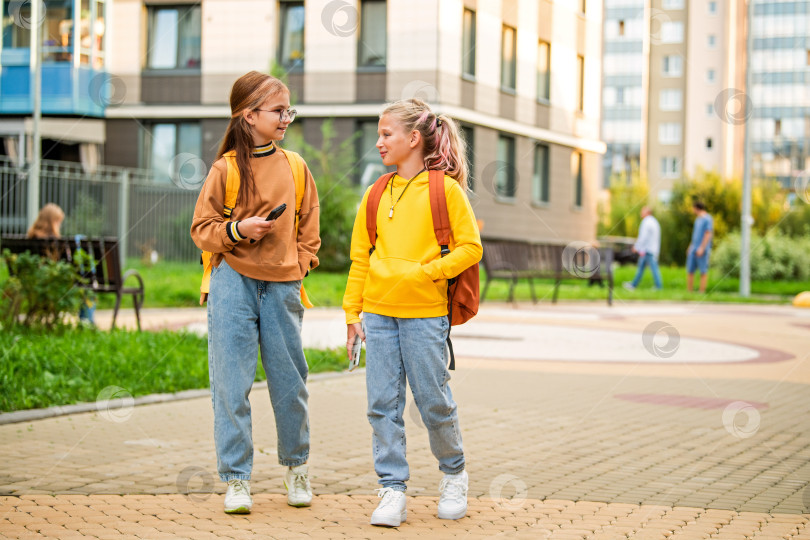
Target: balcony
66, 89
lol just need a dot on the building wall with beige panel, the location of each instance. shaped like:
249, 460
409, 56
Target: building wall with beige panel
521, 76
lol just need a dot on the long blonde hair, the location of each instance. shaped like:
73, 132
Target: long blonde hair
248, 93
443, 146
48, 222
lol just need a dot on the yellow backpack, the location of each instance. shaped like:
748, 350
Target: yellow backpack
232, 183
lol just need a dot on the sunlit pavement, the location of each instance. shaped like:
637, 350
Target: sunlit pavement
579, 421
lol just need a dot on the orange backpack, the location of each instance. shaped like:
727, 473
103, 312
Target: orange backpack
462, 290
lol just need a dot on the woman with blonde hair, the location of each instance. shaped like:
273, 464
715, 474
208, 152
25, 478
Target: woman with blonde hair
48, 222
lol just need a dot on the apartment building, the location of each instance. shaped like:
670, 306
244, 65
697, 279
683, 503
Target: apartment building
521, 76
780, 92
679, 68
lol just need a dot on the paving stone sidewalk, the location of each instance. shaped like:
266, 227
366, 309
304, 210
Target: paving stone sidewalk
555, 449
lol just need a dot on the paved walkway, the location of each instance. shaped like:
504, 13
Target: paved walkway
579, 421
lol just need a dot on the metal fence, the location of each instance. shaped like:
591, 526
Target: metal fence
111, 201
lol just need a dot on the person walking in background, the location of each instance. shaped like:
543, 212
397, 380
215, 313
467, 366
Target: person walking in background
648, 247
48, 222
697, 254
400, 286
254, 296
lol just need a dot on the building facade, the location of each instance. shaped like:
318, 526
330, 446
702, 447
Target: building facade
683, 64
521, 76
780, 92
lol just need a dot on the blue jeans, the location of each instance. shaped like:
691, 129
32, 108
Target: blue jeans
397, 349
246, 314
648, 259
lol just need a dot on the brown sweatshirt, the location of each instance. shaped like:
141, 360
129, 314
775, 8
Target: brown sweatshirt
279, 256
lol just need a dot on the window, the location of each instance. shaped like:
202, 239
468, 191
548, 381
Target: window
620, 95
469, 139
291, 35
543, 71
673, 65
576, 175
540, 184
174, 37
372, 47
468, 44
709, 143
165, 141
709, 109
777, 127
508, 59
580, 83
369, 163
621, 28
710, 75
670, 99
673, 4
669, 133
712, 8
505, 172
712, 40
671, 32
670, 168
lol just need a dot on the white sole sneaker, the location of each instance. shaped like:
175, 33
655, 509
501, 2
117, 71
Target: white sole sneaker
390, 520
457, 515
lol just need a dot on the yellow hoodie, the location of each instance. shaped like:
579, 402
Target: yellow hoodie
406, 276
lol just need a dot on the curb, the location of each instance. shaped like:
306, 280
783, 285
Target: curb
150, 399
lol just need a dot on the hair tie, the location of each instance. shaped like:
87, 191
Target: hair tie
438, 122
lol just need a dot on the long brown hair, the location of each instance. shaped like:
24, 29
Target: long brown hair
443, 146
48, 222
248, 93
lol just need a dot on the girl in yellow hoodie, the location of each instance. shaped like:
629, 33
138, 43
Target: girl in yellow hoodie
400, 287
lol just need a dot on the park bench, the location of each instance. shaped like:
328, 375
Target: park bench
103, 276
513, 260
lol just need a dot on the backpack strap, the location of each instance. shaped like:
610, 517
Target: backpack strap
232, 183
372, 204
441, 228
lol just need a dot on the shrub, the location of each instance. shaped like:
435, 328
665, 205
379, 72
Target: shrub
337, 195
39, 292
773, 257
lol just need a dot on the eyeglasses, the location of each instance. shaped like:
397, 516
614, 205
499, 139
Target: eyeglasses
290, 114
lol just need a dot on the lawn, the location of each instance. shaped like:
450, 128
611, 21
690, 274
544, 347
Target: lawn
42, 369
171, 284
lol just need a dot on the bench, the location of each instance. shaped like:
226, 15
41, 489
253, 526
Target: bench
104, 277
514, 260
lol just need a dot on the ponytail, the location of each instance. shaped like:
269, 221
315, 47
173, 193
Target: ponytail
443, 146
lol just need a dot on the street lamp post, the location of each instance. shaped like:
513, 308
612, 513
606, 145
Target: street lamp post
36, 77
746, 219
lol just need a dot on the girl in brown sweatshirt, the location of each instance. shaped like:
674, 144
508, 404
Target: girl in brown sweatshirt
254, 300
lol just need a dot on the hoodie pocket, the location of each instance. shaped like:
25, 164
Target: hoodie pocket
400, 281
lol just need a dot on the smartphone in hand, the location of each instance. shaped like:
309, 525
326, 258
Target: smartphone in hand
354, 361
274, 214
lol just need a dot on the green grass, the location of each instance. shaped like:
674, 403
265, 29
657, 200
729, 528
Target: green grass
42, 369
171, 284
719, 289
176, 284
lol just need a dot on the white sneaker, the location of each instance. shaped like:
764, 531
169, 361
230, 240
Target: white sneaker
299, 493
391, 511
453, 499
628, 285
237, 498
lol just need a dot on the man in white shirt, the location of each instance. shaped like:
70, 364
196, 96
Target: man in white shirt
648, 246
